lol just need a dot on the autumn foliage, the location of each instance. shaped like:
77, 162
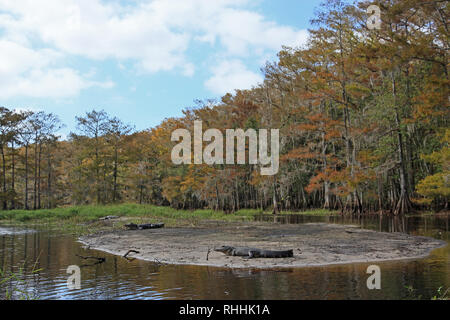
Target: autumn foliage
363, 118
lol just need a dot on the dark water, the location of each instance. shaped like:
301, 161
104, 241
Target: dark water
118, 278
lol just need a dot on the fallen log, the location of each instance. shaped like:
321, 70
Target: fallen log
133, 226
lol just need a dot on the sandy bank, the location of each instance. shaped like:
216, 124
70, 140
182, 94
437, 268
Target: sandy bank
314, 244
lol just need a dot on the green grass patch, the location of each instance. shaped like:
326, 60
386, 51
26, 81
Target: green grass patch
85, 219
93, 212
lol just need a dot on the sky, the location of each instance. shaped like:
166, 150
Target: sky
142, 61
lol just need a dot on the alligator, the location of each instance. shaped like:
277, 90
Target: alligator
133, 226
254, 252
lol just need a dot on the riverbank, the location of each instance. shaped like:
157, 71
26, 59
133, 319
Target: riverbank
314, 244
88, 219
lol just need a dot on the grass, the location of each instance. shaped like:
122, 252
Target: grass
17, 283
441, 294
85, 219
90, 212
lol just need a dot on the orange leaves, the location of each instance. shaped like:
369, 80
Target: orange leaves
337, 176
328, 175
302, 153
433, 101
322, 124
307, 127
341, 182
367, 156
317, 117
332, 134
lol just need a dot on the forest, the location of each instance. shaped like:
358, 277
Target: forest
363, 116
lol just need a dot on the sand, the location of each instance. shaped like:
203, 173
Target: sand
314, 244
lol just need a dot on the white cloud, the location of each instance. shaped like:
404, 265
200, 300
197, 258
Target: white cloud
231, 75
92, 29
152, 36
50, 83
32, 73
15, 59
243, 32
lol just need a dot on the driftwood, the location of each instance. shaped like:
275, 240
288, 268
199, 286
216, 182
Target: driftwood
99, 261
159, 262
109, 218
128, 252
97, 258
133, 226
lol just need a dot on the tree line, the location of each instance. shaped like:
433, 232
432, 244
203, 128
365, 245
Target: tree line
363, 118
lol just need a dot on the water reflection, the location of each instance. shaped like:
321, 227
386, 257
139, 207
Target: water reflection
118, 278
432, 226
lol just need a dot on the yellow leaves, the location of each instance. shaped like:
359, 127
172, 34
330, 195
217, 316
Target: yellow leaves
171, 187
422, 201
257, 179
441, 157
435, 186
194, 179
367, 156
87, 162
357, 90
176, 187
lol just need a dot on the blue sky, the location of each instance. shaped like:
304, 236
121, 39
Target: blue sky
142, 61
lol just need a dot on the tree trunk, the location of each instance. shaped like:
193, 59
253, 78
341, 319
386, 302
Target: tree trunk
275, 203
237, 194
49, 181
141, 187
97, 168
326, 185
115, 174
26, 177
35, 174
39, 177
217, 196
403, 205
13, 202
5, 206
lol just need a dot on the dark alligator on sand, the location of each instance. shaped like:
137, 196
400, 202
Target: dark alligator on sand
133, 226
254, 252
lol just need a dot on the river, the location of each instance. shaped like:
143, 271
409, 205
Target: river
23, 250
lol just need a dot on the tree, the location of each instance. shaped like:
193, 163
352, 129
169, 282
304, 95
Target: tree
94, 126
436, 188
115, 131
9, 122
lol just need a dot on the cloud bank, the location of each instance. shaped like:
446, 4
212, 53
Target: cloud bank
37, 38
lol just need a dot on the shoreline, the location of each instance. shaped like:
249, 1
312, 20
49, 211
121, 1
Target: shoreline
320, 244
